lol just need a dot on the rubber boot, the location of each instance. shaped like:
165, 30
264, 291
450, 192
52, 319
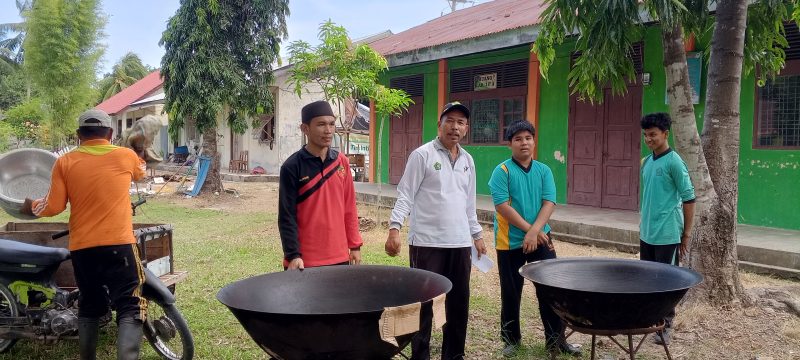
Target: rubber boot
129, 338
88, 329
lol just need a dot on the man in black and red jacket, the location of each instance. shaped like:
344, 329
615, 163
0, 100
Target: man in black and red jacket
317, 215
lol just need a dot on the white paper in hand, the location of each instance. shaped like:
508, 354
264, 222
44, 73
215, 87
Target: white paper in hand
484, 264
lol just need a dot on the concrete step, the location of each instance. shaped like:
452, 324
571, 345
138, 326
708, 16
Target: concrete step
777, 271
250, 178
745, 252
605, 244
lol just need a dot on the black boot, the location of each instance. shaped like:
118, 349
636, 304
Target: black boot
87, 337
129, 337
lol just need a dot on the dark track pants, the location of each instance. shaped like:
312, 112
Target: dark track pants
454, 264
665, 254
119, 269
508, 264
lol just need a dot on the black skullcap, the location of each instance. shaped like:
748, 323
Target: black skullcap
517, 126
314, 109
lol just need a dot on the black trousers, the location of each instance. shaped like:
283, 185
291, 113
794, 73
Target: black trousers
454, 264
116, 268
508, 264
665, 254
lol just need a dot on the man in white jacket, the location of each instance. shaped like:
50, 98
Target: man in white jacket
437, 194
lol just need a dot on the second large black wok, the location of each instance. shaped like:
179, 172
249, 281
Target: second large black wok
329, 312
610, 294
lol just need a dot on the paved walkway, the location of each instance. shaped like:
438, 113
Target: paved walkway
761, 249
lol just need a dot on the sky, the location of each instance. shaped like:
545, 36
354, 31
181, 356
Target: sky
137, 25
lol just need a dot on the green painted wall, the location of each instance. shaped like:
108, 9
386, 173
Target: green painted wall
553, 120
769, 180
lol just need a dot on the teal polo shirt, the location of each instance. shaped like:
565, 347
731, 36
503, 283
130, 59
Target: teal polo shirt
666, 186
524, 189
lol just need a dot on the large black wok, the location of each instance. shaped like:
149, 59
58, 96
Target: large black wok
329, 312
610, 294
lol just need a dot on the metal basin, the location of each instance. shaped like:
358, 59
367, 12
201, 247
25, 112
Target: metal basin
610, 294
329, 312
24, 173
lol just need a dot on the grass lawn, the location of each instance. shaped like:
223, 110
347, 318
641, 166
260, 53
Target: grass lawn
219, 242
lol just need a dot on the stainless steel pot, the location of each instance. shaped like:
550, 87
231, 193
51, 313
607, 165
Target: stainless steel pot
24, 173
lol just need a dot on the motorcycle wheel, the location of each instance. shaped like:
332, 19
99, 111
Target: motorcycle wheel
8, 308
166, 330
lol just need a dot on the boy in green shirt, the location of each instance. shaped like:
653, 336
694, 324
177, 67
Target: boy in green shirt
667, 206
524, 196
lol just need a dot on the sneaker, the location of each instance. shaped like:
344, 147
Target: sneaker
510, 350
662, 338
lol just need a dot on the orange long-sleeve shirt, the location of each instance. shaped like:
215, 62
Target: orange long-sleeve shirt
94, 179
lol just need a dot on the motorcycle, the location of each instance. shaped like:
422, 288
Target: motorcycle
33, 306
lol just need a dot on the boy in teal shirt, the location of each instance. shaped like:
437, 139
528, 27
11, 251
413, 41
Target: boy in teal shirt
524, 196
667, 206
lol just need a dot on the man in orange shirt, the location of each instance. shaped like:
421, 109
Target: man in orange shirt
94, 179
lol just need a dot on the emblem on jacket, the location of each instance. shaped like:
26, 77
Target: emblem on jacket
304, 179
340, 171
437, 166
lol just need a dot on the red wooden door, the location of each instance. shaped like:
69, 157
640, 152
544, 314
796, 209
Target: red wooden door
404, 137
604, 148
621, 150
585, 157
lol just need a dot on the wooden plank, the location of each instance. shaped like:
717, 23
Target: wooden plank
174, 277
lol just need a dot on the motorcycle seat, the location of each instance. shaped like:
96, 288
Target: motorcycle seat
15, 252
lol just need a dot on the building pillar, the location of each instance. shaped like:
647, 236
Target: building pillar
373, 136
441, 94
532, 100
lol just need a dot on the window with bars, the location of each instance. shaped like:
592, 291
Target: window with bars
777, 123
491, 109
489, 119
778, 116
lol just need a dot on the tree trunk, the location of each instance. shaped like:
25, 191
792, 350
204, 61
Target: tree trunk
213, 183
714, 254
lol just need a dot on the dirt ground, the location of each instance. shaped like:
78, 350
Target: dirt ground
764, 331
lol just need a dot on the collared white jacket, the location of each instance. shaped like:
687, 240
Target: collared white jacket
438, 197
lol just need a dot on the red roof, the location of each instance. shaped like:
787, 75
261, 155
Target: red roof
131, 94
476, 21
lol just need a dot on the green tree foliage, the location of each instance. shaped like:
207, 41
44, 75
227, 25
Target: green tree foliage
6, 133
344, 71
13, 87
61, 57
11, 50
219, 56
127, 71
26, 119
221, 53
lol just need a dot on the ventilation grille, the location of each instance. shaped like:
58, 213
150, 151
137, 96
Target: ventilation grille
793, 38
413, 85
510, 74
